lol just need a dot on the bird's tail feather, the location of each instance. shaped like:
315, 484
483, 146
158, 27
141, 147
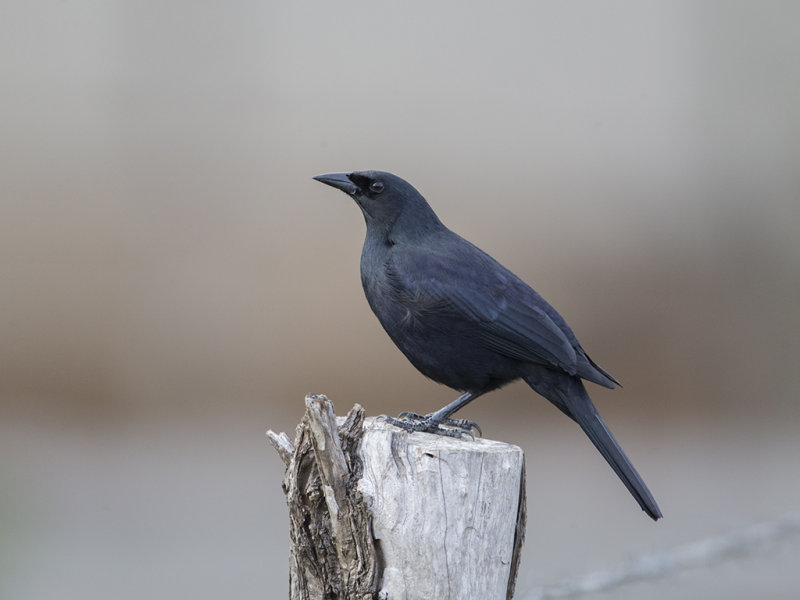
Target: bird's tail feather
575, 402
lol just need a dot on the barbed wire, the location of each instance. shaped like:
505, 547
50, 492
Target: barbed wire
703, 553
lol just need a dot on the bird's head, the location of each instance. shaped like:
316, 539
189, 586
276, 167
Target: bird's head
390, 204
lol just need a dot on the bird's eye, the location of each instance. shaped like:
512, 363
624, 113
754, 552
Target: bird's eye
376, 187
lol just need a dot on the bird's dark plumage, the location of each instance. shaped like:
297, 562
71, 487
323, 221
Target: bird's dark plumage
466, 321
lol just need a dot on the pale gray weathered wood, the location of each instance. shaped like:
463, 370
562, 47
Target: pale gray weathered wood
378, 513
444, 512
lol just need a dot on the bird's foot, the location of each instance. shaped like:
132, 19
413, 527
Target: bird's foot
465, 425
411, 422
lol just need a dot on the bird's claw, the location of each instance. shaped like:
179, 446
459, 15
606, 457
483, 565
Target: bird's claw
465, 425
411, 422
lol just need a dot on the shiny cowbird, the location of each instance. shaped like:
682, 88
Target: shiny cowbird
466, 321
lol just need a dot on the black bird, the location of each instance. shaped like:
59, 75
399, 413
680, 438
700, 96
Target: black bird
466, 321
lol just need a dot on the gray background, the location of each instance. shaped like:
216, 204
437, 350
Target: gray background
172, 282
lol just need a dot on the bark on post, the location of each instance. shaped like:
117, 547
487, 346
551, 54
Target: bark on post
377, 513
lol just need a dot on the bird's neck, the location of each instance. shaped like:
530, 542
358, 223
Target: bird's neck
410, 227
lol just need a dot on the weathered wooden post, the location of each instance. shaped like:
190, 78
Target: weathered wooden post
378, 513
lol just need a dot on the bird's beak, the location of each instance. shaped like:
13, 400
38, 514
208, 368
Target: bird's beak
338, 180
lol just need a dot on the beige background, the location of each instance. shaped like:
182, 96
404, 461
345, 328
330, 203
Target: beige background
172, 282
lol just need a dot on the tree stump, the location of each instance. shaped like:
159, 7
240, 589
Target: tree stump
378, 513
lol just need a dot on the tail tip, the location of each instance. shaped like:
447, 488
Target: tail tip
653, 512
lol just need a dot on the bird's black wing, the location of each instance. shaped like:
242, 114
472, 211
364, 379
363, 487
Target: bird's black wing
511, 317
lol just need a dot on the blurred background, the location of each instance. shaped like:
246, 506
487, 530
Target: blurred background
172, 282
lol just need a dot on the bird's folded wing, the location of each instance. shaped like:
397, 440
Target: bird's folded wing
504, 308
513, 327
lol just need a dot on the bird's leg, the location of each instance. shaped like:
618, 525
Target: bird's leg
444, 413
433, 422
